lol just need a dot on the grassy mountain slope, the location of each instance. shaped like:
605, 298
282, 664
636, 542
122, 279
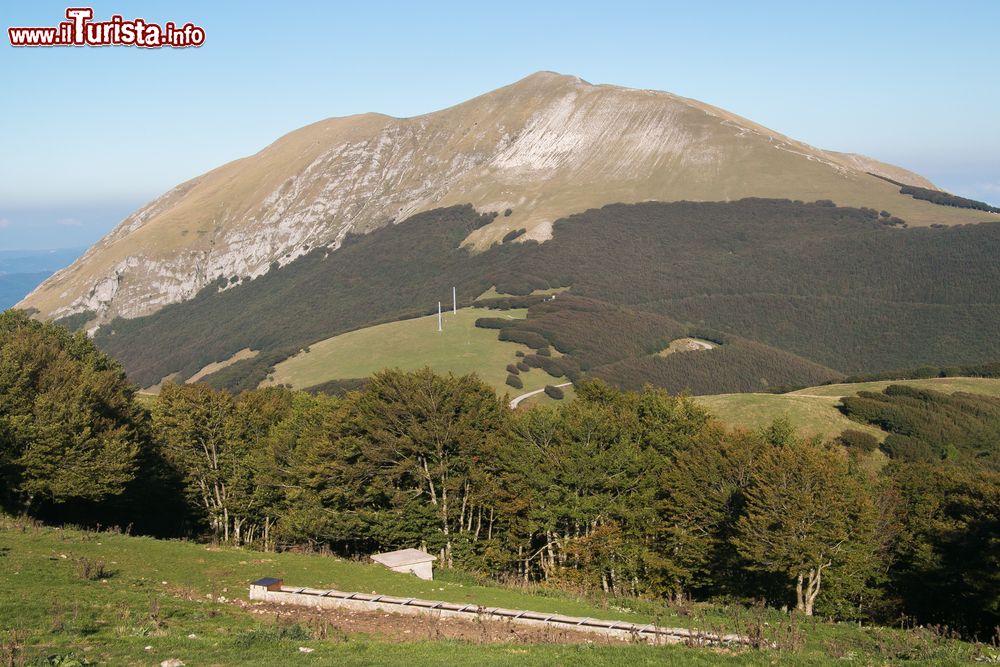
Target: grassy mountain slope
545, 147
814, 410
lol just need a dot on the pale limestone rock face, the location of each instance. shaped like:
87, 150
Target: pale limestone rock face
547, 146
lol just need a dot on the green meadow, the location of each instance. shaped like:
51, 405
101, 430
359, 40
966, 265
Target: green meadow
460, 348
73, 597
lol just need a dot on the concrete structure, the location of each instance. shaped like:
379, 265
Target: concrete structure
331, 599
269, 583
413, 561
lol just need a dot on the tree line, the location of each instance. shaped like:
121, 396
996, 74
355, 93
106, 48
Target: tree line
635, 493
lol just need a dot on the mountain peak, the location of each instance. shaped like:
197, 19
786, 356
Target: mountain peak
545, 147
550, 77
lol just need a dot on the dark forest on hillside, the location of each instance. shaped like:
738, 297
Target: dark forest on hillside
837, 287
620, 345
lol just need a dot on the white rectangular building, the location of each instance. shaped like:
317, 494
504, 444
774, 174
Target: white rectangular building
413, 561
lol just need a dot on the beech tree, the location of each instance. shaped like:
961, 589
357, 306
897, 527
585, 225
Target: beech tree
197, 429
702, 496
805, 516
580, 484
70, 428
426, 435
306, 487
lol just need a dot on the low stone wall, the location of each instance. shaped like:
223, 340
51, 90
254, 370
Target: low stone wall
332, 599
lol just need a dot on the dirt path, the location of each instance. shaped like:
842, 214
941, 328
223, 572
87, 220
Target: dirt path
830, 398
517, 401
338, 623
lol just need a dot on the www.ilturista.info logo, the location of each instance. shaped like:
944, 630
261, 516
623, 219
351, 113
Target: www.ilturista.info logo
80, 30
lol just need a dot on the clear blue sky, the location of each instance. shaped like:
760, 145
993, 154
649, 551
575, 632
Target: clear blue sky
90, 133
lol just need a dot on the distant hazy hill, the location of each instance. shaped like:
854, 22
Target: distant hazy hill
13, 286
22, 270
545, 147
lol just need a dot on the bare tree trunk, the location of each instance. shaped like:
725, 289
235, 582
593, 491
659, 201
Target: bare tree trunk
465, 501
549, 541
813, 586
430, 482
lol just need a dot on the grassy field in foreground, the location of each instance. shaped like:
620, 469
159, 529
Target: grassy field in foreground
166, 600
814, 410
460, 348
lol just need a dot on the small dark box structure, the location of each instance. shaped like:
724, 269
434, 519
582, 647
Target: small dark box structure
270, 583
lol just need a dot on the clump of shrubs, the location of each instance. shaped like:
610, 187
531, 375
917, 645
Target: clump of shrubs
485, 219
556, 367
492, 322
507, 213
908, 449
92, 570
529, 338
543, 352
515, 382
855, 439
513, 370
523, 366
893, 221
513, 234
554, 392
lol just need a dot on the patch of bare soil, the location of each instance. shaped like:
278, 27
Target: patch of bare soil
405, 627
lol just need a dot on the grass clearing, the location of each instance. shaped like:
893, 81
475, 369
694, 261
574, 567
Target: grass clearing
814, 409
160, 600
460, 348
687, 345
492, 293
950, 385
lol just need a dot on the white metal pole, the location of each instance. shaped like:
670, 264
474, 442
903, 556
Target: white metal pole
454, 301
439, 316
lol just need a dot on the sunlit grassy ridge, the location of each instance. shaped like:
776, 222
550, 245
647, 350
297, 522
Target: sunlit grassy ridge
814, 410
